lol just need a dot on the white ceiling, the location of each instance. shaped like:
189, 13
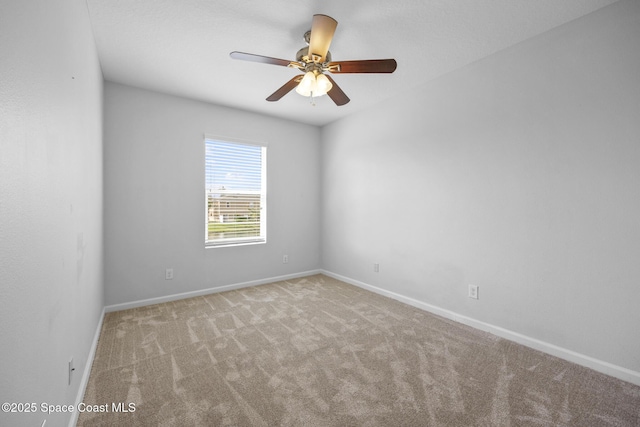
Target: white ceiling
182, 47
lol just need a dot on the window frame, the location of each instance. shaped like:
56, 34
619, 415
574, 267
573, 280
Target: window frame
237, 241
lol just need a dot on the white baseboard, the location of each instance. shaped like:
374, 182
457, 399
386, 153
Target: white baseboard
176, 297
554, 350
87, 371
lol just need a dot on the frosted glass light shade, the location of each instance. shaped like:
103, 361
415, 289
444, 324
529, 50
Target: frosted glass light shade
323, 85
307, 85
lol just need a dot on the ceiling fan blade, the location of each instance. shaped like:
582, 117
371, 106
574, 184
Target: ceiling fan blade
285, 89
364, 66
263, 59
322, 29
336, 94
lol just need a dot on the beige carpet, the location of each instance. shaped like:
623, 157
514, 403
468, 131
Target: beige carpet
319, 352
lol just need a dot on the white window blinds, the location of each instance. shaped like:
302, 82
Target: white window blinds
235, 191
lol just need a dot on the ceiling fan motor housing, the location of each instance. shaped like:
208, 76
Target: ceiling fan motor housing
303, 56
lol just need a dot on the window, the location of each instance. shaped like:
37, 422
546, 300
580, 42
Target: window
235, 192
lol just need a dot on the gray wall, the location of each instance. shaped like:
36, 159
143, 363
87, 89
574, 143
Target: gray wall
520, 174
154, 196
51, 288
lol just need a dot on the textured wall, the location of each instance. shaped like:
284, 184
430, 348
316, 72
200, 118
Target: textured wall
518, 173
51, 289
154, 196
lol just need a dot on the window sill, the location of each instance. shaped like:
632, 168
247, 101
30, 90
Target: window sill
213, 245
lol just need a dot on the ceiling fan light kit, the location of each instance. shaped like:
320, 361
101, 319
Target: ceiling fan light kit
314, 85
315, 60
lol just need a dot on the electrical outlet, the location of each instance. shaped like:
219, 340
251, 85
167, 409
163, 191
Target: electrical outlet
168, 274
71, 369
473, 291
285, 259
376, 267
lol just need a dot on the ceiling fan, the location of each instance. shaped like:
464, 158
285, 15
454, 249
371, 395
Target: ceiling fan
315, 60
